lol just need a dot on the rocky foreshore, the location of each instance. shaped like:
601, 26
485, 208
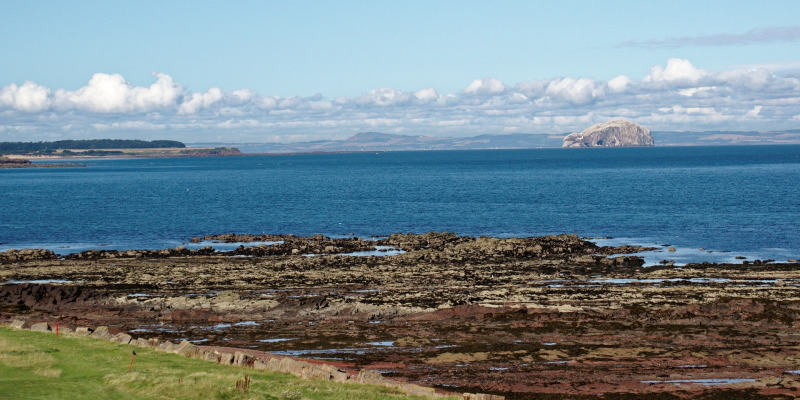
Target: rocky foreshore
544, 317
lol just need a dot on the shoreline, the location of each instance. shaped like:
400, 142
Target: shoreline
373, 151
518, 317
35, 159
226, 245
124, 153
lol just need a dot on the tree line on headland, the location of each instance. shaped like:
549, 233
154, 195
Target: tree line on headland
92, 144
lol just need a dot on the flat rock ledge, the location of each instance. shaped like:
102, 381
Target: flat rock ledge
300, 368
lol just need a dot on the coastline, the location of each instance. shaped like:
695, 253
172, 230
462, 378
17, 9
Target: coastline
75, 154
200, 153
653, 253
517, 317
144, 156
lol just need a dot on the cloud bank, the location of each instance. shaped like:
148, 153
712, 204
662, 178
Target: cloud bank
674, 96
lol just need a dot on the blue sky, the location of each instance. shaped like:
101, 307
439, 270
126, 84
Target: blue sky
265, 71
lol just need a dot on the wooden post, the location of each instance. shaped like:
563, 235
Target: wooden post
131, 364
56, 329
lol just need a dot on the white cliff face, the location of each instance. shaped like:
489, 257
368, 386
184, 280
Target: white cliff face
617, 133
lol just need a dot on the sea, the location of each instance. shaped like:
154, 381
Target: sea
707, 203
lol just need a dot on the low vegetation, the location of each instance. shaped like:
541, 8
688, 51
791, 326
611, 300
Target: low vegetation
94, 144
37, 365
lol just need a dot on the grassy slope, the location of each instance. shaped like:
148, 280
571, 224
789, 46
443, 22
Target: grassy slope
37, 365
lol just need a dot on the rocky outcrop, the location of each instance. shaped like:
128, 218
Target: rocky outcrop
6, 160
165, 253
289, 244
553, 316
13, 255
617, 133
49, 297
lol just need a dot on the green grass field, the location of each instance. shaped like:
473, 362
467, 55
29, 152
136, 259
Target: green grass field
35, 365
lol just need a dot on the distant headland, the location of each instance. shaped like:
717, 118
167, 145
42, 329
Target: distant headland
19, 154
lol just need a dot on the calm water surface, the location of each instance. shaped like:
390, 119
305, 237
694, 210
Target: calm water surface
742, 199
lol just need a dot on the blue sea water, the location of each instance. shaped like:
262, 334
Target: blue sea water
741, 199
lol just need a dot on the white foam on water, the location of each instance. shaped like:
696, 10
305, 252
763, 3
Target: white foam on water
681, 256
704, 382
386, 343
220, 246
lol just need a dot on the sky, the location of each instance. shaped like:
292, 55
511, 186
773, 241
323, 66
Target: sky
287, 71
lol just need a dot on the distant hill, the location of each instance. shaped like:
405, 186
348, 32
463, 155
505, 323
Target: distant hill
721, 138
377, 141
93, 144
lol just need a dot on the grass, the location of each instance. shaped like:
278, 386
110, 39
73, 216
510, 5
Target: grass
35, 365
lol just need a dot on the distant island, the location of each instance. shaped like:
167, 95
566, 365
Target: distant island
17, 154
618, 133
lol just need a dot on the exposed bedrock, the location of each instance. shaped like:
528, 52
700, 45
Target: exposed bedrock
617, 133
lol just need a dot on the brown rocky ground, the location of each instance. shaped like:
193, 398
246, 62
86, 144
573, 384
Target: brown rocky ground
536, 318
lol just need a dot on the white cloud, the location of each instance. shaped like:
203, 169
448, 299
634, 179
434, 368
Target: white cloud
201, 100
242, 96
679, 72
485, 86
111, 93
576, 91
290, 103
267, 102
320, 105
689, 92
426, 95
29, 97
754, 112
674, 96
129, 125
692, 110
532, 89
619, 84
383, 97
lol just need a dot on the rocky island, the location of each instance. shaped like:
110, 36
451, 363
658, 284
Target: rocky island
618, 133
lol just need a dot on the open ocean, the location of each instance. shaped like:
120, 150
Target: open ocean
731, 201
